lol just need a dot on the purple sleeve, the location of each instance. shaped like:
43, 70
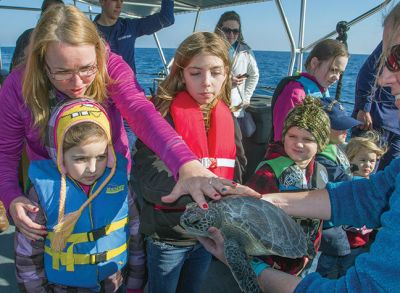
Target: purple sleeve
143, 118
12, 134
29, 256
292, 95
137, 259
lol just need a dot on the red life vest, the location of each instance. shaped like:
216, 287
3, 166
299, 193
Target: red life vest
216, 149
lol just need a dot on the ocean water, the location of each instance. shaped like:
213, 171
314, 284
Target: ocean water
273, 67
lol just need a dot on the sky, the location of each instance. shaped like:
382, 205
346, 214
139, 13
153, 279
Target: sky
261, 23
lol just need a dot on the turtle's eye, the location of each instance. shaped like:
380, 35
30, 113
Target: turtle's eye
195, 222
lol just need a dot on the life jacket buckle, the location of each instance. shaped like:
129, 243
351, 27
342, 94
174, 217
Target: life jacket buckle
99, 257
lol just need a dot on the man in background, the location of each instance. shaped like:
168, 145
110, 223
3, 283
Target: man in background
121, 34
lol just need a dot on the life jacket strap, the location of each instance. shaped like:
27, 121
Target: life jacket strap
94, 234
70, 259
217, 162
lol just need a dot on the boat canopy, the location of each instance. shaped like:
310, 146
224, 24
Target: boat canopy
143, 8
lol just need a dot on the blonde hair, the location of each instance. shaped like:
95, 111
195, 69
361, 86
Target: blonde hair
60, 24
83, 133
195, 44
368, 141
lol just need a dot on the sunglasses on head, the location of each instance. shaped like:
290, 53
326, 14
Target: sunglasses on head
392, 61
228, 30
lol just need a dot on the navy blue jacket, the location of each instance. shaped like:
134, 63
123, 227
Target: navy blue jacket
381, 106
122, 35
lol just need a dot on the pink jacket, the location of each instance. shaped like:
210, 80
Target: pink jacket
292, 95
128, 99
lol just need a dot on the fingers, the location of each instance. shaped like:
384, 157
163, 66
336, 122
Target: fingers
30, 235
241, 190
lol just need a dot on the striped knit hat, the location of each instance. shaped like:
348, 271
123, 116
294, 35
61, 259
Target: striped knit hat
311, 117
63, 117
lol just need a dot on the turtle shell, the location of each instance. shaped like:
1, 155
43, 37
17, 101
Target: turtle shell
260, 227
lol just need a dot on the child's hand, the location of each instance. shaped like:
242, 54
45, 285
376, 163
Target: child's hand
134, 290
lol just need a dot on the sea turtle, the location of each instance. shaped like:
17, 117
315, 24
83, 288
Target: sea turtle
251, 227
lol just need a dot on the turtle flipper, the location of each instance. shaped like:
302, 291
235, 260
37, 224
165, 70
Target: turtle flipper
240, 267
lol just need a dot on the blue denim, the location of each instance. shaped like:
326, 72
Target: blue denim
174, 268
334, 267
132, 138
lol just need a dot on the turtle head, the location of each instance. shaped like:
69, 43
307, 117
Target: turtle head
196, 221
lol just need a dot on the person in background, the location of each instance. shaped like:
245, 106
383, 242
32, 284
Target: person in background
335, 256
69, 60
326, 61
83, 198
121, 34
22, 43
291, 165
244, 66
363, 153
375, 108
374, 202
195, 99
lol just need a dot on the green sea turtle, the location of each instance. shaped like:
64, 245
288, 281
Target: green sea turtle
251, 227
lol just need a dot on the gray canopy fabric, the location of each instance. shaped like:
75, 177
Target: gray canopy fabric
143, 8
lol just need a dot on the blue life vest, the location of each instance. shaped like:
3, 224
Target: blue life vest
311, 88
97, 247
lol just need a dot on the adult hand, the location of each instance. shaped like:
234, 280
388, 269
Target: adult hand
237, 80
198, 181
19, 209
365, 118
214, 244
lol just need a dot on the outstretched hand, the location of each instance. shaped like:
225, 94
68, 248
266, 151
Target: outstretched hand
199, 182
19, 209
214, 244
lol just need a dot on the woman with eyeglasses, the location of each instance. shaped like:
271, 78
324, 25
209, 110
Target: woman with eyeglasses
244, 66
374, 202
68, 60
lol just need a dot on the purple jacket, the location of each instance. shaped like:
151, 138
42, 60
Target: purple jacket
128, 99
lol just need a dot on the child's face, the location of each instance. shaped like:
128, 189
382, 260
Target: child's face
365, 160
337, 136
86, 163
326, 73
204, 77
300, 146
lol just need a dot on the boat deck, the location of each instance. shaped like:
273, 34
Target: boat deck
219, 277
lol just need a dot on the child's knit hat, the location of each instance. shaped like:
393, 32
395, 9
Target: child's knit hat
311, 117
63, 117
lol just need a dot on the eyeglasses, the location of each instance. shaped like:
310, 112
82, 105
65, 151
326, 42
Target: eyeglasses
83, 73
392, 61
228, 30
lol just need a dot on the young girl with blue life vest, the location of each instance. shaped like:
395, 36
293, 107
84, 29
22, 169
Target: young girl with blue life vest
194, 99
85, 203
291, 166
326, 61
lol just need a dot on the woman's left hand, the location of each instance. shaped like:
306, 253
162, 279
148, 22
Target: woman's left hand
214, 244
200, 182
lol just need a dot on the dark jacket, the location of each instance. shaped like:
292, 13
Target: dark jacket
122, 35
381, 105
155, 180
334, 239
